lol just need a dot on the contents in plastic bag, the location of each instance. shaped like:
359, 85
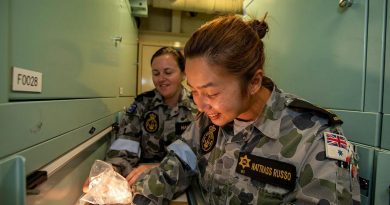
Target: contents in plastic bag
107, 186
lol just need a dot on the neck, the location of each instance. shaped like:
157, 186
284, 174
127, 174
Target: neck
256, 104
173, 100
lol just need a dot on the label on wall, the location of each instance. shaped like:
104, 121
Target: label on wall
26, 80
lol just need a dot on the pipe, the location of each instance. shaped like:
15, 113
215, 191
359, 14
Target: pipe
203, 6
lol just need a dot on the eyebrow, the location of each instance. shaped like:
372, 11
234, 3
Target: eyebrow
164, 69
210, 84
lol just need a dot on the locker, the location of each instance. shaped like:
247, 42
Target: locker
86, 52
26, 124
385, 140
332, 57
78, 46
361, 127
321, 40
12, 188
382, 179
366, 172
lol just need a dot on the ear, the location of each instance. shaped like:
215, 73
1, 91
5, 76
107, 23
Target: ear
256, 81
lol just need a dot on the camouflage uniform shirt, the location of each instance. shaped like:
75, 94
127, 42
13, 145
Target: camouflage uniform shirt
148, 126
280, 158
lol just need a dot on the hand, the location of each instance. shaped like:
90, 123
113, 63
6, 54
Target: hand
86, 185
133, 175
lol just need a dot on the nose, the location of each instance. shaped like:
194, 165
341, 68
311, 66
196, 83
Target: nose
202, 103
161, 77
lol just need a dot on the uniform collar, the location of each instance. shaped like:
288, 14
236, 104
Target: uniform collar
184, 99
269, 122
157, 99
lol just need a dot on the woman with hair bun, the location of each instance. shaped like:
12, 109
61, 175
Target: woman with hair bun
251, 143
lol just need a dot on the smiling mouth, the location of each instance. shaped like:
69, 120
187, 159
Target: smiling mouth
213, 116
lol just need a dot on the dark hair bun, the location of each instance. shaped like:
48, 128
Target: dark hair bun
261, 27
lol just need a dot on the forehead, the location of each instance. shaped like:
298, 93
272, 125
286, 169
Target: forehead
164, 61
200, 74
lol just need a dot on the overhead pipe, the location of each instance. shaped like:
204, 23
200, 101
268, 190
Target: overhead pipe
203, 6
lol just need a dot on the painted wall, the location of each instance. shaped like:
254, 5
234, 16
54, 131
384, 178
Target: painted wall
86, 52
333, 57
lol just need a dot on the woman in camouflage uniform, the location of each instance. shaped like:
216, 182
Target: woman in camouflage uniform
252, 143
155, 119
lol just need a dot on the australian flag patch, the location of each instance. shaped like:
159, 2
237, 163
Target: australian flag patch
337, 147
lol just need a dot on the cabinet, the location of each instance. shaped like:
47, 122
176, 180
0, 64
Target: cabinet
72, 44
366, 173
382, 175
334, 58
318, 51
86, 51
87, 76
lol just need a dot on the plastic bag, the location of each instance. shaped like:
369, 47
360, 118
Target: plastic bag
107, 186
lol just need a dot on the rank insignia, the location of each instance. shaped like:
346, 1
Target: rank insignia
209, 138
151, 122
337, 147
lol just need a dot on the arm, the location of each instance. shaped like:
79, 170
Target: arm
124, 152
135, 173
173, 175
165, 182
324, 179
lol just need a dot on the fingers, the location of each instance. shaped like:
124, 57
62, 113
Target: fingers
133, 176
86, 185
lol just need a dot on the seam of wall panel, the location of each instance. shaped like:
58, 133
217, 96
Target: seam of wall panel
382, 75
4, 50
365, 50
383, 58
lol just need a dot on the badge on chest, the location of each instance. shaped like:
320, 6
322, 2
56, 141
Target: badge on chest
209, 138
151, 122
268, 171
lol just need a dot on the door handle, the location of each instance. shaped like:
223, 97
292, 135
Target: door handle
117, 39
345, 3
364, 183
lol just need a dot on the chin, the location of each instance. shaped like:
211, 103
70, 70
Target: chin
218, 122
163, 92
166, 95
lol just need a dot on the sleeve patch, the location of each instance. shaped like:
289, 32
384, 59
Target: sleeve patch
125, 144
184, 152
337, 147
132, 109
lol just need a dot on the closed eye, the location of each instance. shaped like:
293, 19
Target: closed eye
212, 95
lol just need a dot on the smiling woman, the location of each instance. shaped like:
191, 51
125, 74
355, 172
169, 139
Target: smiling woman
168, 73
252, 143
156, 118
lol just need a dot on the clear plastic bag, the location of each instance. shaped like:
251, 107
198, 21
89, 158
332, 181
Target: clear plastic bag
107, 186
